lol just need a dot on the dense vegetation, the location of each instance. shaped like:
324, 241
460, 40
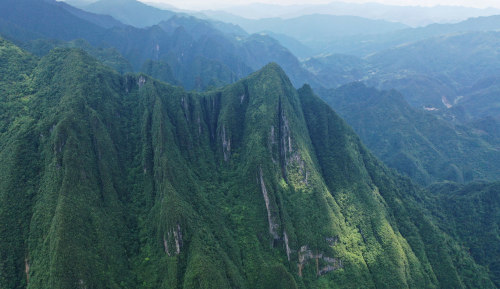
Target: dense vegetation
111, 181
470, 213
200, 53
416, 143
452, 63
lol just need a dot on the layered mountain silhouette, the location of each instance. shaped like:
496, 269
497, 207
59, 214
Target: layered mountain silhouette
198, 53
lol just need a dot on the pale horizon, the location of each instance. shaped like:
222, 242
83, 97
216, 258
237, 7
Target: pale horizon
221, 4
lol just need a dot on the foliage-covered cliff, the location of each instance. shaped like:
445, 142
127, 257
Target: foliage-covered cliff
110, 181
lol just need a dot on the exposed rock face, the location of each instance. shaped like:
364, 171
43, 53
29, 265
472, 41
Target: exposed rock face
226, 144
198, 121
285, 142
81, 284
177, 240
27, 269
185, 108
273, 226
332, 265
141, 81
272, 143
287, 246
324, 264
332, 241
165, 245
292, 161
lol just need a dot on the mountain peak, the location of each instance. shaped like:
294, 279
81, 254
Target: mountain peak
274, 66
271, 71
253, 185
130, 12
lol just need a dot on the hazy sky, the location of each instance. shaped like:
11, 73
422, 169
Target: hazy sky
212, 4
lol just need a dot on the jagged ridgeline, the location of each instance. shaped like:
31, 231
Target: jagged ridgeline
110, 181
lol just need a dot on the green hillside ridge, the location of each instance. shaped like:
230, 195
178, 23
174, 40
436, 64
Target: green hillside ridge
108, 56
416, 143
470, 213
111, 181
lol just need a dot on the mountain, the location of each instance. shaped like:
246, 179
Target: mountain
455, 61
336, 70
366, 45
142, 15
113, 181
32, 19
315, 30
475, 226
295, 46
414, 142
104, 21
454, 76
15, 66
199, 47
108, 56
311, 28
199, 54
481, 100
79, 3
130, 12
409, 15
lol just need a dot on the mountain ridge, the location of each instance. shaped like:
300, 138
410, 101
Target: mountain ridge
241, 187
416, 143
198, 53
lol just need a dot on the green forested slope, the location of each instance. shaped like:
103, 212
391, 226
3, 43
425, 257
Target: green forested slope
471, 214
416, 143
110, 181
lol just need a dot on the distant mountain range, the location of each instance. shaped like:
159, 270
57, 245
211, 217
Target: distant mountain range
410, 15
327, 34
454, 75
199, 54
130, 12
314, 30
367, 45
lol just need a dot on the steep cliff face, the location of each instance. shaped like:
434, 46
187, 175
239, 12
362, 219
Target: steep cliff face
110, 181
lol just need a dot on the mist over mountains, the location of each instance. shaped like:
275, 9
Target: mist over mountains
150, 148
409, 15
